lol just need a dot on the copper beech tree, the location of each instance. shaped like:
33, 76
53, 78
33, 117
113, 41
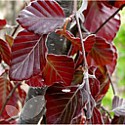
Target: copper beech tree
67, 61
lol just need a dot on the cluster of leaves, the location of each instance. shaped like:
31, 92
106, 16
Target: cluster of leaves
76, 81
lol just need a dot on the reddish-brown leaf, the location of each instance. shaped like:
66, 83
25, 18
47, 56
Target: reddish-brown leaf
42, 16
36, 81
5, 51
96, 117
2, 23
27, 53
101, 75
94, 82
99, 50
5, 88
118, 106
65, 105
9, 39
94, 87
96, 14
76, 43
58, 69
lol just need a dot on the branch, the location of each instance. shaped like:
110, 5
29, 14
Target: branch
109, 18
8, 98
15, 30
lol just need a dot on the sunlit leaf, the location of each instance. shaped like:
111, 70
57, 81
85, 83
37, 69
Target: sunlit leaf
27, 52
42, 16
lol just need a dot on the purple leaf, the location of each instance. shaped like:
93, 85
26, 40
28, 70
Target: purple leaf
42, 16
118, 106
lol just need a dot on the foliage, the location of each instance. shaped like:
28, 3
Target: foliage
76, 82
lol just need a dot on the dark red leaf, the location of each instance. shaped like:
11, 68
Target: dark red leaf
5, 89
118, 106
5, 51
42, 16
2, 23
64, 105
96, 117
99, 50
94, 82
22, 95
111, 67
96, 14
101, 75
76, 43
36, 81
58, 69
28, 53
94, 87
118, 120
116, 3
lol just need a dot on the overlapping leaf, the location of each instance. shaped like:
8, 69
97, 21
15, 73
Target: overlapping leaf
5, 88
5, 51
42, 16
58, 69
28, 54
2, 23
76, 44
36, 81
118, 106
99, 50
9, 39
98, 13
64, 105
97, 117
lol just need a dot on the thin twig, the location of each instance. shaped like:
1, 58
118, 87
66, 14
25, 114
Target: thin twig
109, 18
8, 98
113, 88
15, 30
85, 65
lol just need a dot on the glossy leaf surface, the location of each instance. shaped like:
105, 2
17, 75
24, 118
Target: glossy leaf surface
42, 16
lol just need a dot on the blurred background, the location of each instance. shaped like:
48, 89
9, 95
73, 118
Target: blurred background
10, 9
